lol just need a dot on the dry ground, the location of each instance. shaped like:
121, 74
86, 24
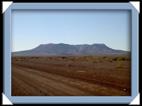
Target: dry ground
71, 76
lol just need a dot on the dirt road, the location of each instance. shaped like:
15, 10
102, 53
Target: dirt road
41, 77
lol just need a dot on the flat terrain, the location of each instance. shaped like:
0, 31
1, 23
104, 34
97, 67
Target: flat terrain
71, 76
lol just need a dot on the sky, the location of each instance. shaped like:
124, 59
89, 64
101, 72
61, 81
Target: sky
32, 28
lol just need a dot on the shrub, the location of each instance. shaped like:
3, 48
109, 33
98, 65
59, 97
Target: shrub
119, 59
114, 59
63, 57
104, 57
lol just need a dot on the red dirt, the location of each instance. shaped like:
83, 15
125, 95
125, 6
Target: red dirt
71, 76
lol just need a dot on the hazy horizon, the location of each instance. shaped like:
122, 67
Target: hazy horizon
32, 28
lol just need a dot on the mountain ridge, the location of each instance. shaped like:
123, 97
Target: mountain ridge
62, 49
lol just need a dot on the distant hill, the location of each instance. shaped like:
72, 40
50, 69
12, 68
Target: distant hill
62, 49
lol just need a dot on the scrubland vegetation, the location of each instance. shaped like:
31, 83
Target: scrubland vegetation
71, 76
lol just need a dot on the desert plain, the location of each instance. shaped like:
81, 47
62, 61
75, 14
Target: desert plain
71, 75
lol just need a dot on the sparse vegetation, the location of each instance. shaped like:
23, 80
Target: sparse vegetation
71, 75
120, 59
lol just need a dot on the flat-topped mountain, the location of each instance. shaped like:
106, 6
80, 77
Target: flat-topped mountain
62, 49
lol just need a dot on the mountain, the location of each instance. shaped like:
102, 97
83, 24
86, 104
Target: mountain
62, 49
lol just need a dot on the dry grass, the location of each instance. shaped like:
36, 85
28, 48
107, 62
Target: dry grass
72, 75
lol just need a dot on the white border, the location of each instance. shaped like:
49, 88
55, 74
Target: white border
136, 100
5, 100
136, 5
5, 5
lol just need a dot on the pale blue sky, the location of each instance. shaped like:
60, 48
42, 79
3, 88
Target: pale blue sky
31, 28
